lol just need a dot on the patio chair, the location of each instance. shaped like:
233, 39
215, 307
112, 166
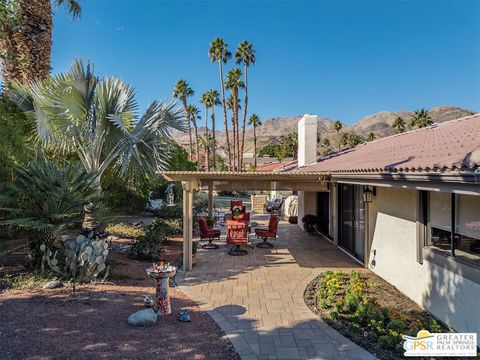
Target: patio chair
207, 234
237, 205
237, 235
275, 206
268, 233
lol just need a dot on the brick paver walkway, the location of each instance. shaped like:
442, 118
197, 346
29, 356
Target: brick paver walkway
257, 299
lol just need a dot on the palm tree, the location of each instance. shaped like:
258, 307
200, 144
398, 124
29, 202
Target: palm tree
194, 114
246, 54
96, 119
254, 121
26, 38
290, 143
213, 100
338, 127
206, 141
219, 52
234, 83
182, 91
371, 136
420, 119
399, 125
205, 100
230, 104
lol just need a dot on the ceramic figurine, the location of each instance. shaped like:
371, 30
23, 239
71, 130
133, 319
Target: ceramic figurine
148, 302
183, 315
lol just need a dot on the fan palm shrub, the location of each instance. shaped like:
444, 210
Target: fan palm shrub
97, 120
46, 199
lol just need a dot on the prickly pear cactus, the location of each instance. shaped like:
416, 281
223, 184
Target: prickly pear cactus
85, 258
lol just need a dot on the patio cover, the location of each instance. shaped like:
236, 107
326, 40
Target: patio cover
229, 180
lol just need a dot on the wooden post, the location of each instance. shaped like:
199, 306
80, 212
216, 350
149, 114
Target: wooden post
187, 224
210, 199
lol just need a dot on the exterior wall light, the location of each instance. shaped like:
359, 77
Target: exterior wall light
368, 194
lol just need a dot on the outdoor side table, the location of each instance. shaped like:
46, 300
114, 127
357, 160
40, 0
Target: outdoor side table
162, 275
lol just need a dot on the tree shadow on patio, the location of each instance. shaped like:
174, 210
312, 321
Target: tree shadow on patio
281, 338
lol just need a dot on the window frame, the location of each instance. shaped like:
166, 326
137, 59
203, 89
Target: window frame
423, 233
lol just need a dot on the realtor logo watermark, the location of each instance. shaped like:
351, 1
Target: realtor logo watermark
440, 344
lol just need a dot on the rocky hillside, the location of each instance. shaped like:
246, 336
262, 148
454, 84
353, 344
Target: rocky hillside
380, 124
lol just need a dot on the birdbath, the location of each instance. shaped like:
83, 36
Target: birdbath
161, 274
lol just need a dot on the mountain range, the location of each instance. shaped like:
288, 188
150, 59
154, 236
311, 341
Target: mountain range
379, 123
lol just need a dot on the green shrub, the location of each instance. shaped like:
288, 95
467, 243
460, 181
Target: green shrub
365, 310
46, 199
388, 342
352, 300
433, 325
125, 231
149, 246
324, 304
333, 315
396, 325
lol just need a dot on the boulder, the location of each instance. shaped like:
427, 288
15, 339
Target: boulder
54, 284
146, 317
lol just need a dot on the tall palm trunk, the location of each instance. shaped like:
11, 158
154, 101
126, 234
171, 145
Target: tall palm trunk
25, 51
187, 114
235, 117
225, 121
214, 141
234, 141
245, 105
207, 150
197, 147
255, 145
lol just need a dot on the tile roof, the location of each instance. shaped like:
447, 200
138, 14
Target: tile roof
277, 166
448, 146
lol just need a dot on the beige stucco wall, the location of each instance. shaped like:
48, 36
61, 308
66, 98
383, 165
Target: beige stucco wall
451, 297
307, 204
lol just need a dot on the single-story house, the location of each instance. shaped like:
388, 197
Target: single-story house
408, 207
405, 206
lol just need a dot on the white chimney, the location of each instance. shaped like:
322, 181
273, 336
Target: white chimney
307, 140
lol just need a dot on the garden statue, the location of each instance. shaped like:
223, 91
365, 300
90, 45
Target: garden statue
170, 195
153, 204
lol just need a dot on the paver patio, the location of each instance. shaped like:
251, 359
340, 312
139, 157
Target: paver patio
257, 299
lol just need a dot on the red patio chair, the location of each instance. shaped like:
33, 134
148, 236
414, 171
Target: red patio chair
208, 234
268, 233
237, 204
237, 235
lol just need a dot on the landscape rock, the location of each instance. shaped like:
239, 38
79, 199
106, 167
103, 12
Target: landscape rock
54, 284
146, 317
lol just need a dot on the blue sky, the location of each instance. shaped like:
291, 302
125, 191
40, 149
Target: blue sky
339, 59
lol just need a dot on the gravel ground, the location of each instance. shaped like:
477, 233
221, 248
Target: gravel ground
54, 324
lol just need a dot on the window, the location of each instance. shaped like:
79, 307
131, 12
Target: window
458, 216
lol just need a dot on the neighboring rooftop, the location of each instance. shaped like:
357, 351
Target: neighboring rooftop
449, 146
278, 166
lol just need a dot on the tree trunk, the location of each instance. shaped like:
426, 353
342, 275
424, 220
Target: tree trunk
207, 150
235, 117
255, 145
187, 114
234, 141
214, 144
225, 121
197, 148
25, 49
244, 112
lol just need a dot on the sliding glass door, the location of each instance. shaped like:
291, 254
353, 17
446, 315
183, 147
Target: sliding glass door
323, 213
351, 219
